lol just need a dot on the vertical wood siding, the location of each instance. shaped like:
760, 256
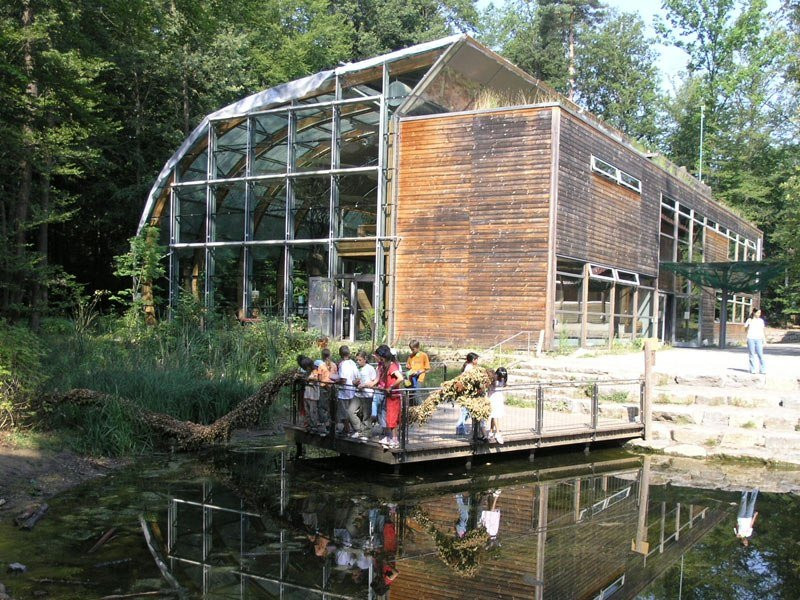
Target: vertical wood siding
473, 194
601, 221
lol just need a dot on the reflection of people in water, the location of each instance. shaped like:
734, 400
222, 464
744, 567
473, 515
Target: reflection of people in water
385, 568
490, 519
746, 517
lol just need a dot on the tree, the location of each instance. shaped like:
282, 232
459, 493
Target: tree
617, 77
51, 117
381, 26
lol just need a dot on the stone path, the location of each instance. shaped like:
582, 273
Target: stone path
707, 403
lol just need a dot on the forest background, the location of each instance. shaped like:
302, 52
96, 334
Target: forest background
95, 95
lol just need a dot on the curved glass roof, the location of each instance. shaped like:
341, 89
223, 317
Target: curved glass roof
460, 67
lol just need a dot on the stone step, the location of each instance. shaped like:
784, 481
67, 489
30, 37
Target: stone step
728, 417
721, 396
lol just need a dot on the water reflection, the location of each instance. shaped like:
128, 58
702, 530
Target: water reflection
261, 526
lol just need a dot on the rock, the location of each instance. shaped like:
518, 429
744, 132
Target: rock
742, 440
715, 419
747, 421
784, 443
780, 423
16, 567
688, 450
698, 437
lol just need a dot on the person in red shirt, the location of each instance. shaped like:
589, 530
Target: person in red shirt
390, 377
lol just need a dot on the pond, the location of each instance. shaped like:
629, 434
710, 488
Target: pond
257, 523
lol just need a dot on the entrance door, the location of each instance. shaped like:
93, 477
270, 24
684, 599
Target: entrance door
356, 315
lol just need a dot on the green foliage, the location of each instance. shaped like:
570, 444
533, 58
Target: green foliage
21, 354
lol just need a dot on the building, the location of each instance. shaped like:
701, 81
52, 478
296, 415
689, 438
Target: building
440, 192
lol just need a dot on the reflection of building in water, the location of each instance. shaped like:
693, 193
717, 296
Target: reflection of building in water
591, 532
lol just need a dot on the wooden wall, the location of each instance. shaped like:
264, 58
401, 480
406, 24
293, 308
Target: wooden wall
601, 221
598, 220
473, 198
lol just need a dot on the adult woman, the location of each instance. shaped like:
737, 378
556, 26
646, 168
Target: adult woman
470, 363
755, 340
389, 379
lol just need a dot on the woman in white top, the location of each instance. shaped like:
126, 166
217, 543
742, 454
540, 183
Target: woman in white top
755, 340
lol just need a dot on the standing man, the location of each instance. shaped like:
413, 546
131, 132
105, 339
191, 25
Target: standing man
348, 403
417, 365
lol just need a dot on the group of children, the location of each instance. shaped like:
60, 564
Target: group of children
362, 390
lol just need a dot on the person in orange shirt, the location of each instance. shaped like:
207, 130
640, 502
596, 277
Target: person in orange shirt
417, 365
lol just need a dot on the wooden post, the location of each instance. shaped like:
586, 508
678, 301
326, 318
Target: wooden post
647, 401
640, 544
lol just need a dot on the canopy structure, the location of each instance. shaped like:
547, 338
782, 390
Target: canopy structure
729, 278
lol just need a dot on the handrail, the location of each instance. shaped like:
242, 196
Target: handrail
511, 338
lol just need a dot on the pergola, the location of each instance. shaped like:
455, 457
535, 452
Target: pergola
729, 278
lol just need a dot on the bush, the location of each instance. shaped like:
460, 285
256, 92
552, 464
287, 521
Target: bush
20, 372
176, 368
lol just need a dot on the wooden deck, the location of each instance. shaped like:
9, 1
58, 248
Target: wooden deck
437, 439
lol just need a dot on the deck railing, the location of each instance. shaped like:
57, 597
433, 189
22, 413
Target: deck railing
531, 411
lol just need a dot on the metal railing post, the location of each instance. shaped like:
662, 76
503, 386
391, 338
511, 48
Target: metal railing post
539, 410
404, 422
332, 406
595, 407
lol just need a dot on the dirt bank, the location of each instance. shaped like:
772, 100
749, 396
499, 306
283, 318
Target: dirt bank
32, 475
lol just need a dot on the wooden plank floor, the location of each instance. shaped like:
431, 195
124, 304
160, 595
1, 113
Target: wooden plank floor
437, 439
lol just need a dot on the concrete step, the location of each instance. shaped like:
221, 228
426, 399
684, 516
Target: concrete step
723, 396
728, 417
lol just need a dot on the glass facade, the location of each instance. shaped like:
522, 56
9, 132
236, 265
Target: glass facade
683, 238
287, 191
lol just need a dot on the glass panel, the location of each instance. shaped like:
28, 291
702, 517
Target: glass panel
623, 328
623, 304
667, 223
227, 281
644, 328
666, 279
645, 308
358, 132
601, 272
596, 329
647, 281
230, 149
630, 182
268, 208
229, 217
191, 218
307, 262
267, 281
312, 139
569, 293
731, 250
269, 143
687, 317
565, 265
698, 245
600, 297
311, 207
357, 212
567, 329
668, 202
193, 165
191, 271
604, 168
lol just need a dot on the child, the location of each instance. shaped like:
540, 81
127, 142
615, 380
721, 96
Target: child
497, 399
418, 364
310, 393
389, 379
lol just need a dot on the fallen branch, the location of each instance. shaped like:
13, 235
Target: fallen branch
162, 566
106, 536
186, 434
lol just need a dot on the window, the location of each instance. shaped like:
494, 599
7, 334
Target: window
614, 174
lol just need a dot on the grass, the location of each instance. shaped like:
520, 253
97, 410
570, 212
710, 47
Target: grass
176, 368
749, 425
